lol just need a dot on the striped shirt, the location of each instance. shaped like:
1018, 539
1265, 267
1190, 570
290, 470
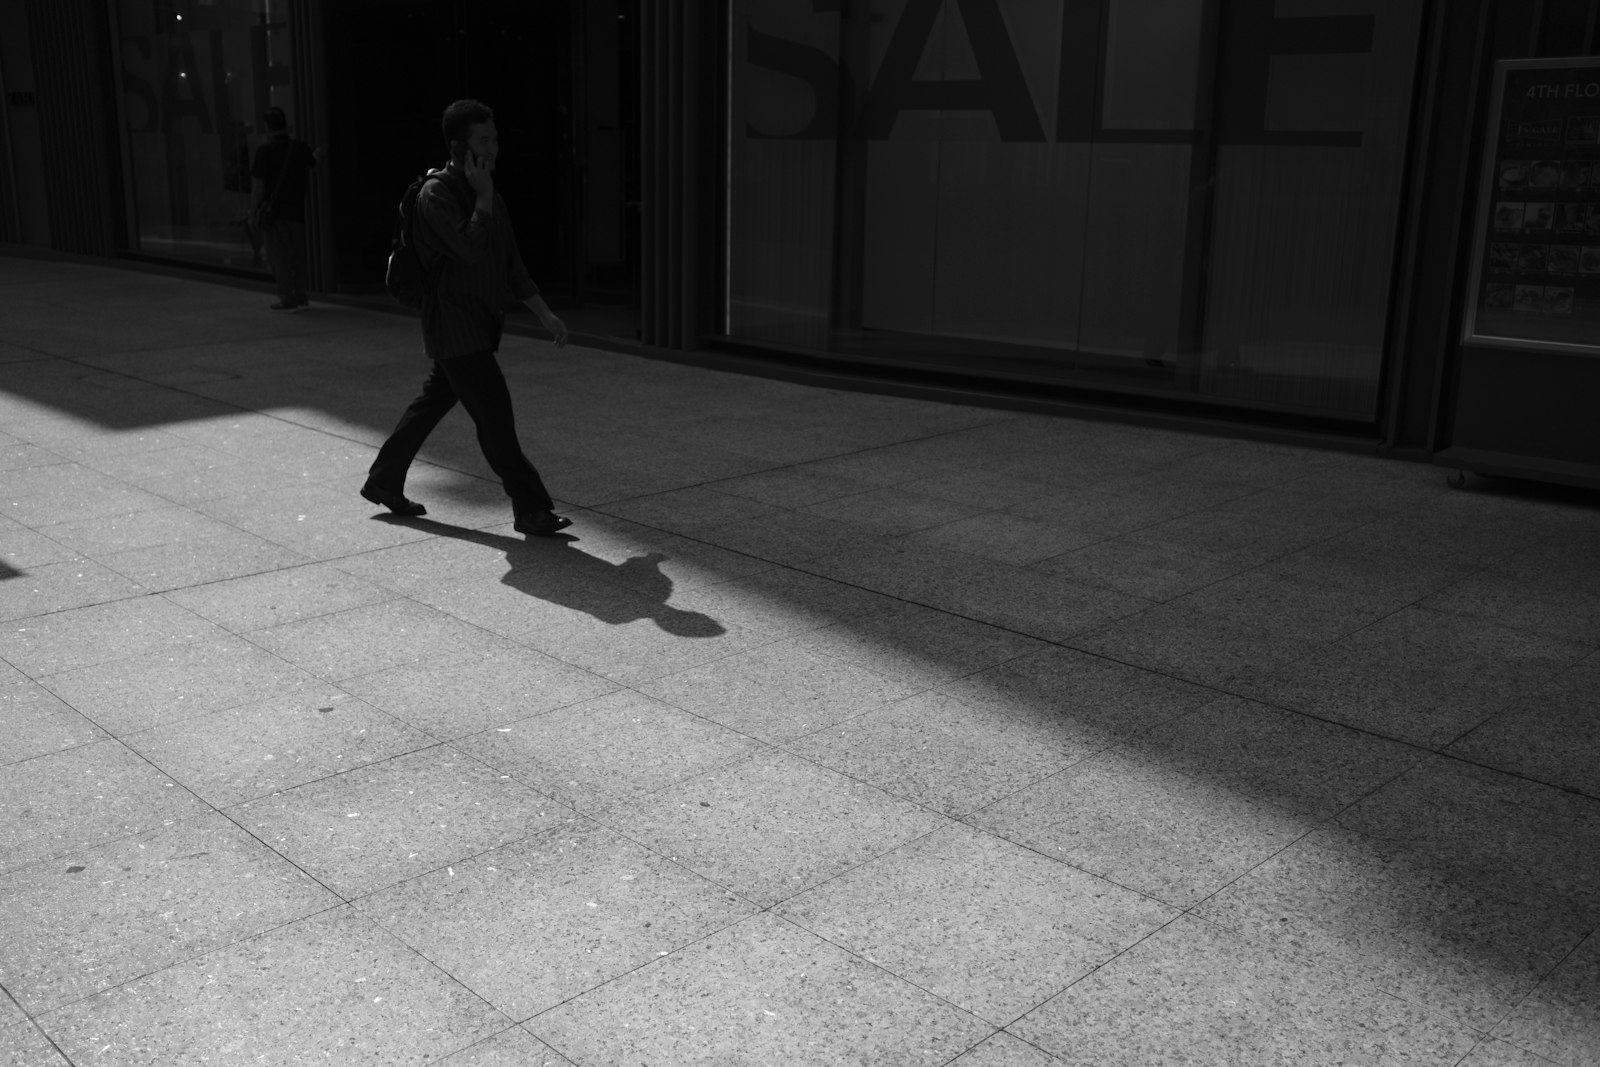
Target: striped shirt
483, 271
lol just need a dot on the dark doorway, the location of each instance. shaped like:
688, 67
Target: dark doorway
561, 76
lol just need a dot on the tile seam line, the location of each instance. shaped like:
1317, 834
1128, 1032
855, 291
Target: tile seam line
648, 962
599, 816
1332, 823
81, 358
863, 450
800, 569
226, 812
959, 820
1178, 913
424, 957
1170, 920
206, 806
712, 482
447, 864
1247, 567
1422, 749
40, 1030
223, 947
1191, 911
79, 362
769, 910
995, 1028
944, 611
1491, 1033
1059, 644
598, 819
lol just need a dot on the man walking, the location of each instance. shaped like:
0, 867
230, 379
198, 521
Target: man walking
465, 241
280, 169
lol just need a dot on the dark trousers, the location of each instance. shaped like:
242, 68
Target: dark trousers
476, 381
286, 255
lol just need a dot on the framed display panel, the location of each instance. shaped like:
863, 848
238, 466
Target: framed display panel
1535, 268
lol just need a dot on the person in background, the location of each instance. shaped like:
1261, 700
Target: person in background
280, 172
466, 243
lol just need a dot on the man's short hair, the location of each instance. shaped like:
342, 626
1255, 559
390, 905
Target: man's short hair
461, 116
275, 119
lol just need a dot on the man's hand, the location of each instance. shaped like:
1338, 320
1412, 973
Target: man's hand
480, 179
557, 328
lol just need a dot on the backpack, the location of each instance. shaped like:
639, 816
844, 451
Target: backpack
407, 278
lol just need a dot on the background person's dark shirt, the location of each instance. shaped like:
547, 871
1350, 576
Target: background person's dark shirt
290, 203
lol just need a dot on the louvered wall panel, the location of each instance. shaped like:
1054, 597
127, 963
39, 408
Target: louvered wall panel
670, 79
67, 84
305, 20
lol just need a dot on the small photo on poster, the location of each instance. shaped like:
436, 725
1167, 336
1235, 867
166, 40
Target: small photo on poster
1513, 174
1589, 259
1530, 258
1558, 299
1561, 259
1544, 174
1583, 129
1591, 219
1528, 298
1538, 215
1508, 215
1503, 258
1571, 218
1499, 295
1574, 174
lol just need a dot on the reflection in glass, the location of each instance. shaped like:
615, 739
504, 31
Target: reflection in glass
196, 77
1091, 195
783, 122
1152, 61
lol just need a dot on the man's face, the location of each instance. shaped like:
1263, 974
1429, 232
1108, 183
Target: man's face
484, 142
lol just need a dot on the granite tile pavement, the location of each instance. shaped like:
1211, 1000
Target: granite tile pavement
840, 728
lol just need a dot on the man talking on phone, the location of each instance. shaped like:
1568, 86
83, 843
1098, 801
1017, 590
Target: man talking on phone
465, 240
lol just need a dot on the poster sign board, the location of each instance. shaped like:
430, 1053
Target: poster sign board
1535, 279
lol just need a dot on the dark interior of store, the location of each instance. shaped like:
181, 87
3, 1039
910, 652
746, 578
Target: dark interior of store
562, 78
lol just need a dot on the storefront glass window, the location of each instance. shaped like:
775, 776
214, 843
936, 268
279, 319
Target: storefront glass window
784, 121
196, 77
1306, 206
1158, 196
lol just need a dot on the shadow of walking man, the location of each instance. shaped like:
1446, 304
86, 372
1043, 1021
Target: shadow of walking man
555, 570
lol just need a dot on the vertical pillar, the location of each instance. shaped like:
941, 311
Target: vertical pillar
676, 69
309, 83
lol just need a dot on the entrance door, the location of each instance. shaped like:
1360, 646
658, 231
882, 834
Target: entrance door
556, 73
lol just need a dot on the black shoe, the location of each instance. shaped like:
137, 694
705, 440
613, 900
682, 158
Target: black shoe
284, 305
540, 523
395, 502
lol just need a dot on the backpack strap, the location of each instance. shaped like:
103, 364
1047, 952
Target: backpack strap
463, 193
269, 203
433, 258
464, 197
